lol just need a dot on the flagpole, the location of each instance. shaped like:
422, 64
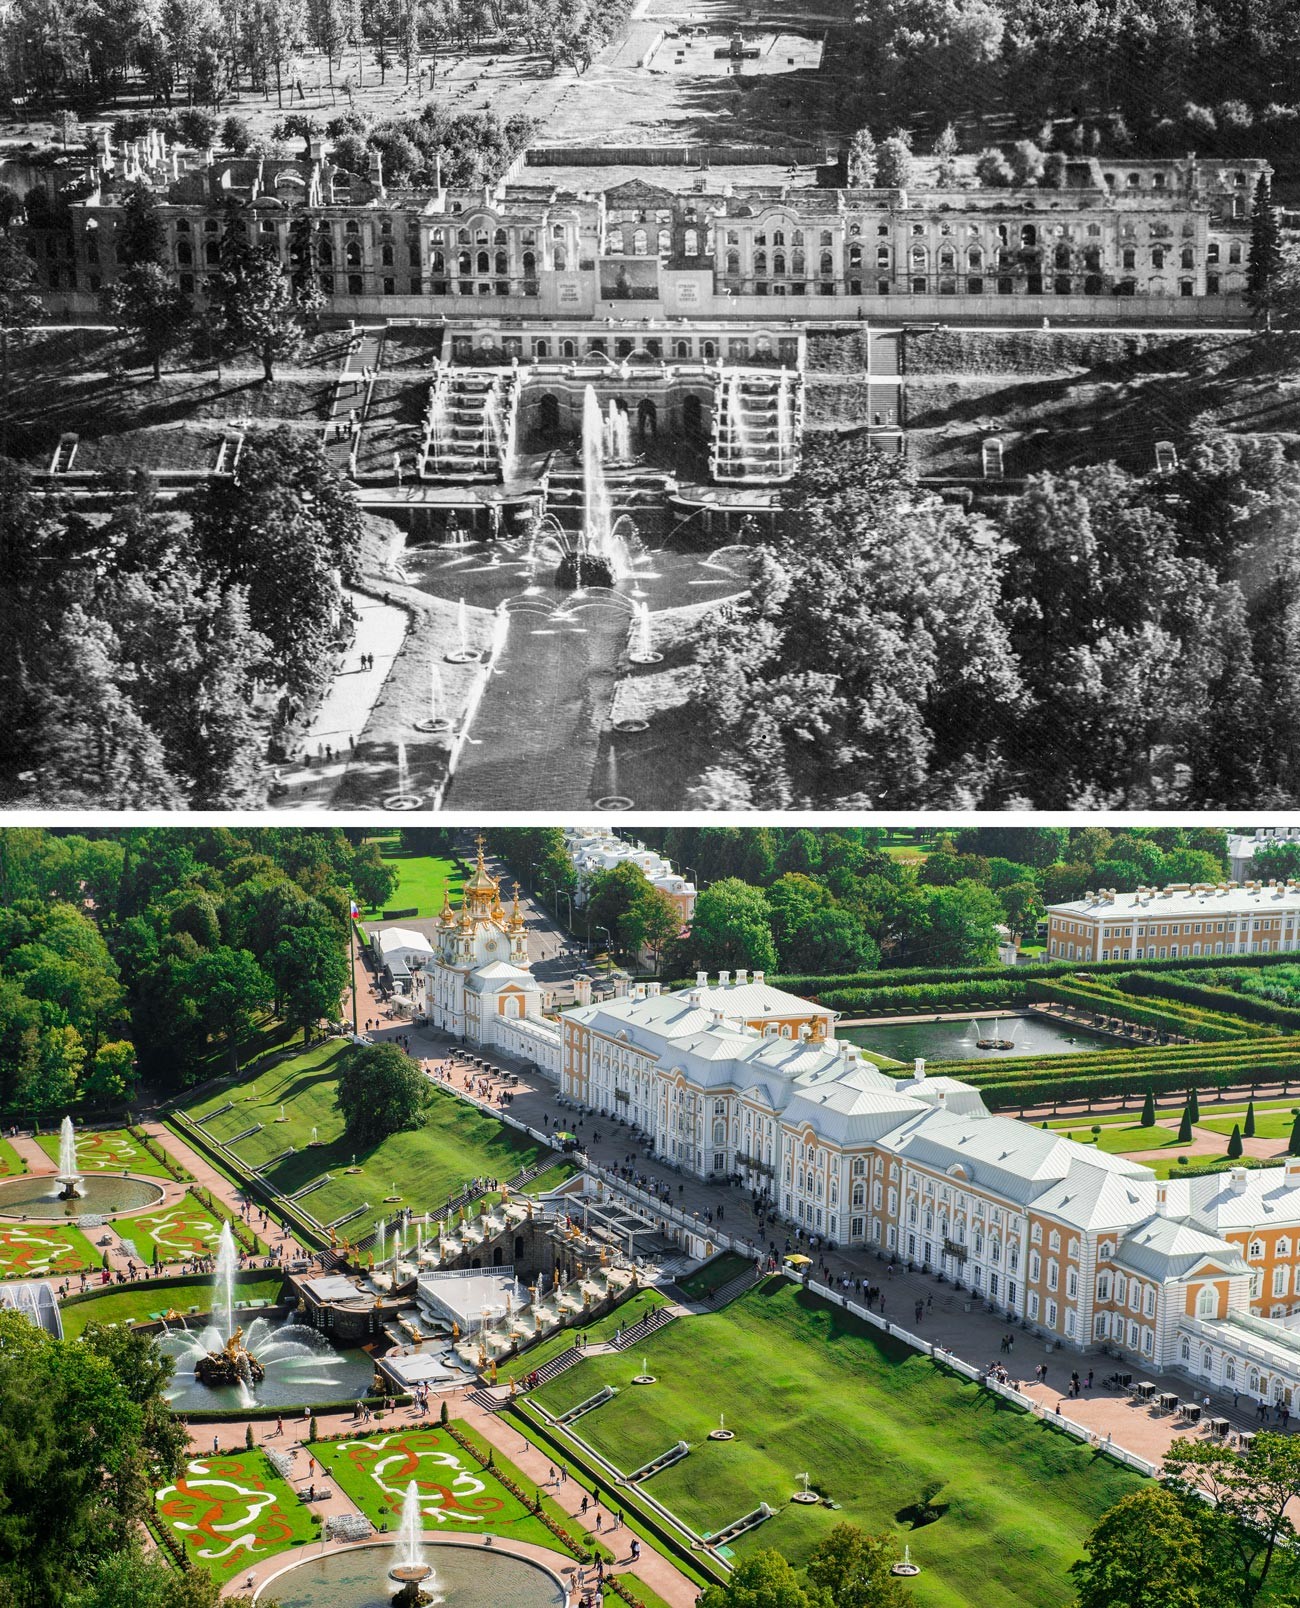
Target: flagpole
352, 956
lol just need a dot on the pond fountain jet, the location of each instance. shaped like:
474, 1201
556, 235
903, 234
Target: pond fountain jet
434, 721
463, 654
643, 642
616, 437
67, 1174
595, 563
403, 798
736, 427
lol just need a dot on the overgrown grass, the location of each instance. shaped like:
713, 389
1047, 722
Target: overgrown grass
807, 1387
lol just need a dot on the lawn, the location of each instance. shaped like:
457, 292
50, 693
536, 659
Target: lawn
43, 1250
134, 1303
107, 1150
456, 1494
423, 879
713, 1275
623, 1316
12, 1164
424, 1165
807, 1387
1274, 1124
1115, 1140
233, 1510
176, 1232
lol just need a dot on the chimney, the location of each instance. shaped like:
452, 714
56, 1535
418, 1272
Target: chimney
759, 976
943, 1096
1292, 1171
582, 990
316, 148
1162, 1197
724, 979
805, 1033
639, 991
1237, 1180
701, 979
918, 1069
652, 990
375, 171
742, 976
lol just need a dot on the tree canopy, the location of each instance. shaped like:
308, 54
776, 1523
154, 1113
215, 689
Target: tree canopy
380, 1091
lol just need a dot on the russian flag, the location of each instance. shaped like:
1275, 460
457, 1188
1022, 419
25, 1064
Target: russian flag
355, 912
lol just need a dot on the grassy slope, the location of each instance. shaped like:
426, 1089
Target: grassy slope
871, 1422
427, 1164
135, 1302
630, 1312
12, 1164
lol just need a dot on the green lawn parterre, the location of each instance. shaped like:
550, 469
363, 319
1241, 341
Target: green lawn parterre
135, 1303
233, 1510
12, 1164
807, 1387
423, 879
44, 1250
107, 1150
424, 1165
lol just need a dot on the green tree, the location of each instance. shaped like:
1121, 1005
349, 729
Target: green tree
374, 878
764, 1581
961, 926
1145, 1552
380, 1091
1149, 1110
731, 927
828, 941
1248, 1131
652, 921
111, 1077
1194, 1105
945, 151
894, 165
1249, 1536
1293, 1144
141, 237
1022, 905
1264, 261
612, 894
1235, 1146
310, 971
853, 1569
144, 299
1185, 1126
228, 990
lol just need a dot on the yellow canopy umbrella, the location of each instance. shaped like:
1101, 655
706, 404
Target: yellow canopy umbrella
798, 1261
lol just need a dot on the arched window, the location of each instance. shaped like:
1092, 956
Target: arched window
481, 262
665, 242
640, 243
501, 262
1188, 258
947, 258
464, 263
1157, 256
386, 256
1029, 235
1207, 1302
798, 264
827, 265
882, 256
211, 253
975, 257
439, 263
733, 262
760, 262
561, 258
1061, 256
499, 238
778, 264
184, 255
530, 264
354, 254
778, 238
692, 243
919, 258
855, 256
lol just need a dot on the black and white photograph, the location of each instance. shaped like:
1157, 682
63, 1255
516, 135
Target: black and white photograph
419, 406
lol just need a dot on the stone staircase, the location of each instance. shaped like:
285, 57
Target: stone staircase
648, 1325
729, 1291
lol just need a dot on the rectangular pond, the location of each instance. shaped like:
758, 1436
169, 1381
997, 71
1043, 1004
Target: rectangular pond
956, 1040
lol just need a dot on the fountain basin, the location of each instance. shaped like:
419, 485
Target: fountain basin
433, 724
584, 569
401, 801
43, 1197
300, 1367
466, 1576
614, 802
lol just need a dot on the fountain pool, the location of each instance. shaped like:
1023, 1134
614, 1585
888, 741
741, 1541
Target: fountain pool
467, 1577
955, 1041
42, 1197
301, 1367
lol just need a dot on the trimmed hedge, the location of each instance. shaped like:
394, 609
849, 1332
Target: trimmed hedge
1250, 1007
1109, 1000
813, 985
1009, 990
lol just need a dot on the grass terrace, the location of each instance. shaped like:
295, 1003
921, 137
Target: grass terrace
806, 1386
107, 1150
229, 1511
704, 1281
424, 1165
625, 1315
44, 1250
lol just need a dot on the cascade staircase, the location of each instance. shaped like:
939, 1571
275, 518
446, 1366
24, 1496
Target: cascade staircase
470, 425
757, 425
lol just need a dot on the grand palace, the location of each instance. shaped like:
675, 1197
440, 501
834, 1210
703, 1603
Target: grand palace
734, 1077
535, 270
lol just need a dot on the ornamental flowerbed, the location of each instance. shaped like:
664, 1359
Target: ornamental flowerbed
107, 1150
456, 1494
176, 1232
231, 1510
43, 1250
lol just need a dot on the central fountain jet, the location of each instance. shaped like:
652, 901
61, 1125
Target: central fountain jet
594, 561
412, 1570
232, 1364
67, 1174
